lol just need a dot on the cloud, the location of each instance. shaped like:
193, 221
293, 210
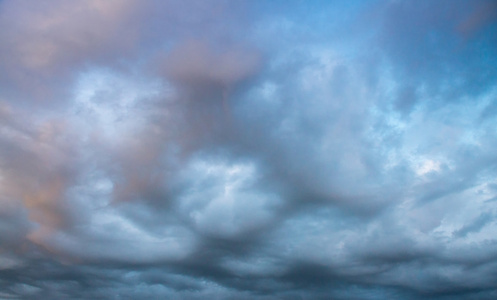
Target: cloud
428, 45
224, 200
246, 150
484, 14
195, 62
42, 43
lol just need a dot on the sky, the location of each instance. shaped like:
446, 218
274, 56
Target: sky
189, 149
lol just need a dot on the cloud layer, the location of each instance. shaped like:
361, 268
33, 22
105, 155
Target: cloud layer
248, 149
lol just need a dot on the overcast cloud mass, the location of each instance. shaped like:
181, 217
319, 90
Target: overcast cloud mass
187, 149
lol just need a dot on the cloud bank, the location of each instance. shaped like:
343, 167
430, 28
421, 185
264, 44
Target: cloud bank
248, 149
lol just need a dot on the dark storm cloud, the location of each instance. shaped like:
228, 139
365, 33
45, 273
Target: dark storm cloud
246, 150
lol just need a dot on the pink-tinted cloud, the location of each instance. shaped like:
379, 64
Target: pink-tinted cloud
42, 42
197, 62
483, 14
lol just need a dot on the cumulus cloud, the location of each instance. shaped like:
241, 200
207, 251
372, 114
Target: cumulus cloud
248, 150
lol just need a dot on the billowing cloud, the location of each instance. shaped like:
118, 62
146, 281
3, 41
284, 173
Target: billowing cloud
248, 150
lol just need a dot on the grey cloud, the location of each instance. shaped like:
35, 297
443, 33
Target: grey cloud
193, 62
483, 14
204, 78
476, 225
36, 170
192, 161
425, 43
